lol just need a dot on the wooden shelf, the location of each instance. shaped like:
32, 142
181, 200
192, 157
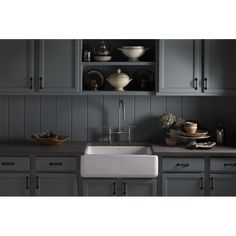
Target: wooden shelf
119, 63
115, 93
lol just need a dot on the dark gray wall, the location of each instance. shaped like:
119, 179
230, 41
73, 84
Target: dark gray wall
83, 117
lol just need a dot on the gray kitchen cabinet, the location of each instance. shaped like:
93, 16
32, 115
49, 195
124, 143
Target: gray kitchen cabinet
139, 187
182, 184
16, 66
219, 67
100, 187
180, 67
121, 187
14, 184
55, 184
223, 185
58, 66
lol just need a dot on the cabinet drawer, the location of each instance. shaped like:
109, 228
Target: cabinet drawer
224, 164
182, 164
14, 163
55, 163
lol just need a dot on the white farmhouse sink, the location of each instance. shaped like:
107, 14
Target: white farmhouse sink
119, 162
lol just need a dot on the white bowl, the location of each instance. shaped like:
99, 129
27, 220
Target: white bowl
102, 58
133, 52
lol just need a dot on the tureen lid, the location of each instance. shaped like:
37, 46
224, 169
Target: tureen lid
119, 75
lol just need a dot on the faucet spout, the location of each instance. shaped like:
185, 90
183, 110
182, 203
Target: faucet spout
121, 109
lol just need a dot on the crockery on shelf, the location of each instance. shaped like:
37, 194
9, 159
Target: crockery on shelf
49, 138
133, 52
119, 80
93, 80
143, 79
190, 127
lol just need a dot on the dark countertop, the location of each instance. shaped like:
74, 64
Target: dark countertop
77, 148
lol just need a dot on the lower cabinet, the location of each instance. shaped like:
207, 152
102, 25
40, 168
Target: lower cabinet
53, 184
14, 184
223, 185
119, 187
183, 184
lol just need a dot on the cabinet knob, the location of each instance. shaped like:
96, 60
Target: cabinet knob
27, 182
205, 85
212, 183
124, 188
41, 83
201, 183
31, 83
37, 182
195, 84
114, 188
182, 164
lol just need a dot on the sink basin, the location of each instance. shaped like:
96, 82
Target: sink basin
119, 162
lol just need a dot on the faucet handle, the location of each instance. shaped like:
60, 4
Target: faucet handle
109, 132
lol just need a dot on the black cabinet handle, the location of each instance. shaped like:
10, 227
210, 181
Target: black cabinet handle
27, 182
205, 84
182, 164
201, 183
31, 83
8, 163
114, 188
37, 182
230, 164
124, 188
212, 184
55, 163
195, 84
41, 83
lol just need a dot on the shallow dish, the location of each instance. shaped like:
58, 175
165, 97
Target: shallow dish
102, 58
199, 133
58, 139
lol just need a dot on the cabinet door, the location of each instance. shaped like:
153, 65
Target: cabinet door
219, 67
182, 184
58, 66
139, 187
14, 184
16, 66
180, 67
223, 185
50, 184
100, 187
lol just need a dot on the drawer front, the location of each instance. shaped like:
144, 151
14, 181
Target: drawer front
182, 164
14, 163
55, 163
223, 164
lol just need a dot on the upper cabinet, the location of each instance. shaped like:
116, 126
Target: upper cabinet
180, 67
219, 67
58, 66
39, 66
16, 66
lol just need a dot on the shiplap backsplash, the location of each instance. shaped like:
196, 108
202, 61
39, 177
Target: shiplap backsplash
83, 117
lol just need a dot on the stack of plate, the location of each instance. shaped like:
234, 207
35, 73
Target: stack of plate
200, 134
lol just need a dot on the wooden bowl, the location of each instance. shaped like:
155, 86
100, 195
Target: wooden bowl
171, 141
190, 127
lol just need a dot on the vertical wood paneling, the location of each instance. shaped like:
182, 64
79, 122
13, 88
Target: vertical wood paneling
16, 118
174, 105
48, 113
32, 116
142, 118
79, 118
158, 107
190, 108
3, 117
205, 112
95, 118
83, 118
63, 115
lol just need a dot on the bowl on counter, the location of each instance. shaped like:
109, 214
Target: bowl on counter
190, 127
133, 52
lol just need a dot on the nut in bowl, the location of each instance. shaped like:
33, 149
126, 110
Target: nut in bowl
190, 127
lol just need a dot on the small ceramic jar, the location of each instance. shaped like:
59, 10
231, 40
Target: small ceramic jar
190, 127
